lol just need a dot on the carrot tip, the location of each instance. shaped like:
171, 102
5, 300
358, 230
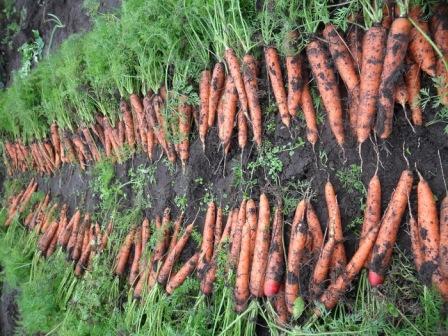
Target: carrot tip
375, 279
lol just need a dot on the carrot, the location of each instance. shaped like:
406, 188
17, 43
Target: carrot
237, 234
251, 87
294, 72
428, 222
390, 224
208, 232
174, 236
106, 235
83, 229
80, 265
439, 29
137, 106
251, 217
275, 268
416, 243
322, 266
134, 273
123, 254
441, 284
99, 132
218, 229
310, 115
91, 144
372, 213
160, 248
275, 76
173, 255
443, 249
314, 228
339, 259
388, 14
226, 233
261, 248
216, 89
68, 238
157, 123
48, 218
128, 123
333, 293
55, 139
242, 130
47, 237
235, 72
204, 95
227, 117
182, 274
52, 246
326, 83
185, 111
241, 291
396, 46
280, 307
354, 42
419, 47
401, 93
412, 78
370, 79
297, 241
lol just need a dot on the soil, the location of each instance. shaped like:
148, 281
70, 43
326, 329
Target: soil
205, 172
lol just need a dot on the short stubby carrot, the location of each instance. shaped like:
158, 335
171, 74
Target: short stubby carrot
328, 87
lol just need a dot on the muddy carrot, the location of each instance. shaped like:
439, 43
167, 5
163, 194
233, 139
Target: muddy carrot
216, 89
185, 111
443, 249
439, 22
176, 229
182, 274
354, 42
251, 217
237, 235
412, 78
208, 233
218, 228
251, 87
128, 123
242, 130
91, 144
123, 254
390, 224
310, 115
204, 95
314, 228
275, 268
45, 239
235, 72
281, 309
294, 72
227, 117
416, 243
134, 273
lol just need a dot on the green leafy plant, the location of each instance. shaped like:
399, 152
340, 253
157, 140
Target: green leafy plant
30, 54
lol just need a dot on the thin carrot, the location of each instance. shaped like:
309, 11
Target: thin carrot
106, 235
281, 308
218, 228
128, 123
242, 130
310, 115
134, 272
416, 243
439, 24
208, 233
185, 111
204, 95
251, 217
390, 224
275, 268
235, 72
443, 249
322, 267
275, 76
182, 274
354, 42
137, 106
216, 89
251, 87
326, 83
294, 73
174, 236
314, 228
227, 117
237, 235
123, 254
412, 78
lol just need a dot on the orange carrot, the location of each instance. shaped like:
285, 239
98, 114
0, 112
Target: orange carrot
412, 78
242, 130
443, 249
216, 89
185, 111
218, 228
310, 115
204, 94
275, 268
439, 23
280, 307
251, 217
91, 144
275, 76
227, 116
134, 273
174, 236
294, 72
326, 83
208, 233
182, 274
237, 235
123, 254
235, 72
396, 46
106, 235
297, 241
251, 87
45, 239
390, 224
416, 243
354, 42
137, 106
314, 228
128, 123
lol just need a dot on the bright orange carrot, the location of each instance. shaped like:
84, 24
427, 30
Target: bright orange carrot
46, 238
412, 78
237, 235
443, 249
204, 95
235, 72
227, 117
294, 72
251, 87
185, 112
134, 272
314, 228
208, 235
123, 254
251, 217
310, 115
328, 88
416, 243
182, 274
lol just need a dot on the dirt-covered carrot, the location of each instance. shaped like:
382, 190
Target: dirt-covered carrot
275, 268
325, 78
208, 235
251, 87
388, 14
278, 87
45, 239
176, 229
339, 259
421, 50
218, 228
137, 106
106, 235
261, 248
226, 232
83, 229
182, 274
241, 291
123, 254
237, 235
416, 245
310, 115
439, 24
373, 45
216, 90
443, 248
52, 246
67, 234
226, 117
185, 112
390, 223
134, 272
396, 46
314, 228
204, 95
252, 218
280, 307
412, 78
91, 144
428, 222
294, 72
242, 130
173, 255
354, 43
160, 123
297, 241
235, 72
128, 123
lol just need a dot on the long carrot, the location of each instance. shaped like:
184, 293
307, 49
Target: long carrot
204, 95
137, 106
297, 241
314, 228
128, 123
227, 117
443, 249
310, 115
185, 112
208, 235
91, 144
237, 235
216, 89
390, 223
182, 274
294, 73
242, 130
326, 83
416, 243
275, 76
251, 87
439, 24
354, 42
134, 272
428, 223
261, 248
275, 268
235, 72
251, 217
218, 229
123, 254
396, 46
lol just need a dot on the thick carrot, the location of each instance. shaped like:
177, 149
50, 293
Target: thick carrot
390, 223
134, 273
173, 255
235, 72
276, 78
216, 89
241, 291
227, 117
237, 235
128, 123
416, 243
251, 87
412, 78
45, 239
275, 268
314, 228
428, 223
261, 248
396, 46
339, 259
204, 95
208, 235
294, 73
182, 274
443, 249
185, 111
372, 65
297, 241
123, 254
328, 88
